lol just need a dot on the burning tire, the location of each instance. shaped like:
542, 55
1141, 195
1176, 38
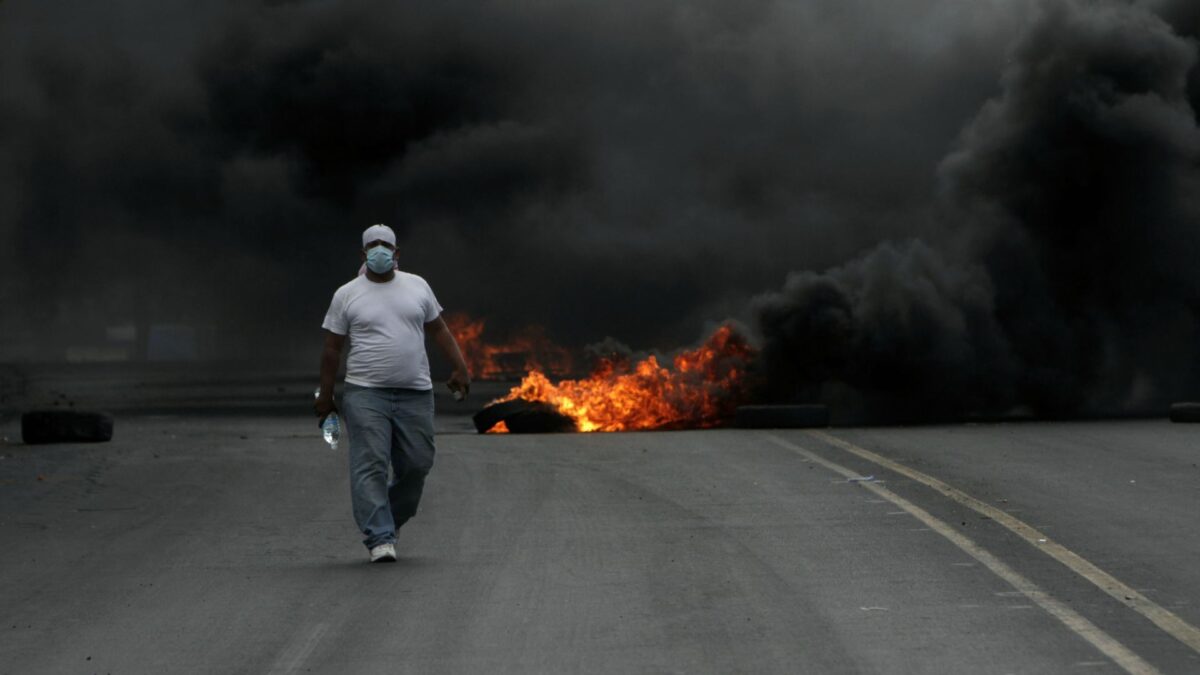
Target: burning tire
523, 417
65, 426
781, 416
1185, 412
496, 413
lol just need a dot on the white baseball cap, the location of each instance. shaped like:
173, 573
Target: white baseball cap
379, 232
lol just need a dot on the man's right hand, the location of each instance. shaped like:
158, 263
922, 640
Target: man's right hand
324, 406
330, 355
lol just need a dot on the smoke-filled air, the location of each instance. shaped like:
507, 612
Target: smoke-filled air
913, 210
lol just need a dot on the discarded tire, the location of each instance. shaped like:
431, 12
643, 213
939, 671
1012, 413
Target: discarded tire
495, 413
65, 426
781, 416
523, 417
1185, 412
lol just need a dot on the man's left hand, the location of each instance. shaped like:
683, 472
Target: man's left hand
459, 383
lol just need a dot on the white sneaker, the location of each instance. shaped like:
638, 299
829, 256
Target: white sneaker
383, 553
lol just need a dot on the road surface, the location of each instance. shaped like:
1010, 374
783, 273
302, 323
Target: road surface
222, 542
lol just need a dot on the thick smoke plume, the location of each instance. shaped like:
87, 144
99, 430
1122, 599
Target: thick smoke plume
1067, 281
630, 169
619, 168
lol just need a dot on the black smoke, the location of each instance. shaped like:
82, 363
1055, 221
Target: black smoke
1067, 280
1011, 183
630, 169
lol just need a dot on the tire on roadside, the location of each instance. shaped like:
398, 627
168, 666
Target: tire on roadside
493, 414
65, 426
523, 417
1185, 412
781, 416
540, 418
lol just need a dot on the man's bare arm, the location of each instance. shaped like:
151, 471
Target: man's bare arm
460, 379
331, 358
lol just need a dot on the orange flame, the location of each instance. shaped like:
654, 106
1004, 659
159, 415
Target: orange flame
701, 388
527, 351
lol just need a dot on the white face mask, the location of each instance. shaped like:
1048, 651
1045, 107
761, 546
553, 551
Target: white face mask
380, 259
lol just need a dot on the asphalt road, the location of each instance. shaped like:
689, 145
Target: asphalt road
223, 543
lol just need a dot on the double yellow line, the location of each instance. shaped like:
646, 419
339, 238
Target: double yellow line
1109, 646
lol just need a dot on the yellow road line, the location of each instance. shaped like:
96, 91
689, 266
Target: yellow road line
1163, 618
1105, 643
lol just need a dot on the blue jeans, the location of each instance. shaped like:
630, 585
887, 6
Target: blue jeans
387, 426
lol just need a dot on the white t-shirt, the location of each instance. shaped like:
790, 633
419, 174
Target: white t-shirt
386, 324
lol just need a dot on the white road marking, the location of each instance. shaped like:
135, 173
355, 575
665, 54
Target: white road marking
1105, 643
1163, 618
298, 650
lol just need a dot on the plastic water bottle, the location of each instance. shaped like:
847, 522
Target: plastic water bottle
331, 427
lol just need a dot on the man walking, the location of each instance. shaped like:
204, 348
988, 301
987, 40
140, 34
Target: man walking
388, 401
